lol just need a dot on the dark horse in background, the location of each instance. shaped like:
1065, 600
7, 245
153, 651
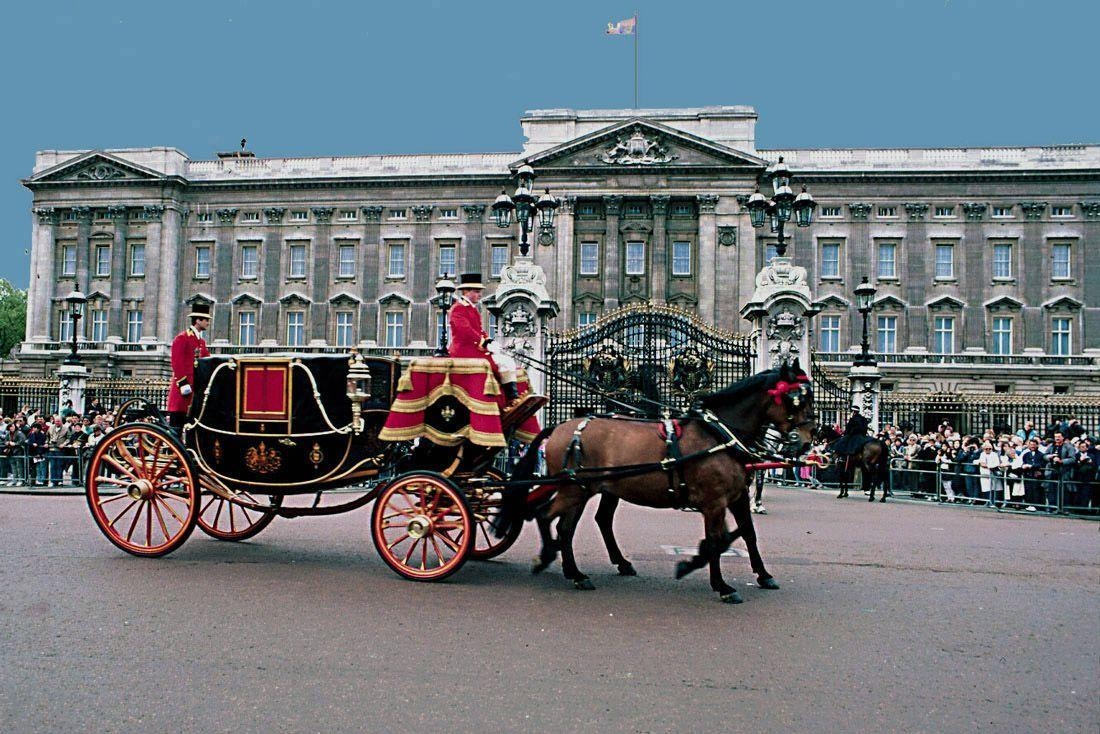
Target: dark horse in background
595, 455
872, 458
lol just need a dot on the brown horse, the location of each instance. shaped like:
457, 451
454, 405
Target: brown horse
872, 459
622, 458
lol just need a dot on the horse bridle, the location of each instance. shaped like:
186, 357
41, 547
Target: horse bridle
790, 395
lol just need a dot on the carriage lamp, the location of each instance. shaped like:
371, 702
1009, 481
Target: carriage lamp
525, 207
445, 288
865, 299
359, 383
778, 209
76, 300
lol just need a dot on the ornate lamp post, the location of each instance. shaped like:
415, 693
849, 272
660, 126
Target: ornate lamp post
865, 298
525, 207
76, 300
781, 206
445, 288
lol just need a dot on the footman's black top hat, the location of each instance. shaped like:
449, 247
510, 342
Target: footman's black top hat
199, 311
470, 280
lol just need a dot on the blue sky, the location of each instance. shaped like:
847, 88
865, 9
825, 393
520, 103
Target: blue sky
326, 77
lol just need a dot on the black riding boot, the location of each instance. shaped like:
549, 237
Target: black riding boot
511, 393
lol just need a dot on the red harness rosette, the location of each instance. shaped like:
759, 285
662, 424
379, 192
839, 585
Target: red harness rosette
783, 387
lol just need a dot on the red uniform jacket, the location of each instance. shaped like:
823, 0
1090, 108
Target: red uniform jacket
467, 335
186, 348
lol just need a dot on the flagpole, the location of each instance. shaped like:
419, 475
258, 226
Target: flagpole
635, 59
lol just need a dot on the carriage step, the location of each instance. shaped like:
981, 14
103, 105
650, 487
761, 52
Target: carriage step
518, 412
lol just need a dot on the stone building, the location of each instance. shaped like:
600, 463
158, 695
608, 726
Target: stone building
980, 255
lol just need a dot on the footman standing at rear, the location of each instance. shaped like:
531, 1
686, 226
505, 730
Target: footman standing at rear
468, 338
188, 346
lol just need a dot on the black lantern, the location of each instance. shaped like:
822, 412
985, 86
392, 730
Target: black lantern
525, 206
865, 299
777, 210
76, 300
445, 290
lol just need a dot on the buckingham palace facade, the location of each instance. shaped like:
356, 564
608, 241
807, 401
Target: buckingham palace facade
985, 259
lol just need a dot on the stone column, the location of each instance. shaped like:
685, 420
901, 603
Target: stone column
83, 245
120, 215
708, 235
611, 278
660, 288
170, 245
476, 247
974, 271
523, 308
561, 282
1034, 260
779, 310
422, 285
73, 381
864, 385
40, 292
371, 289
323, 274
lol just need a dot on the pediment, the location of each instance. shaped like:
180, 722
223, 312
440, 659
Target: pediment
1004, 303
204, 298
640, 144
96, 296
834, 301
96, 167
685, 301
343, 297
1063, 303
945, 302
890, 302
294, 298
394, 299
246, 299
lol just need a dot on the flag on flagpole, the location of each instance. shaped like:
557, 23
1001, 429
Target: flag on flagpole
622, 28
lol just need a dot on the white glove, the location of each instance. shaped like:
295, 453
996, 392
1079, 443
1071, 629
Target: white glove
185, 390
493, 348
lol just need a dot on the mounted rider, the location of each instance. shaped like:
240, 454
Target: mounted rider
854, 436
468, 337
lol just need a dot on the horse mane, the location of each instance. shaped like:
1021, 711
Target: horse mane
738, 390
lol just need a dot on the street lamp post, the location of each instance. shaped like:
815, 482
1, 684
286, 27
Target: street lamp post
781, 206
445, 288
525, 207
76, 300
865, 299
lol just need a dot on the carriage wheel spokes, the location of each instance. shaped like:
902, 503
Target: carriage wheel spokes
226, 520
486, 504
421, 526
141, 467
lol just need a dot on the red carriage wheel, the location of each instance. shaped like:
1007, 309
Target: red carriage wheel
485, 503
226, 520
130, 411
422, 526
142, 490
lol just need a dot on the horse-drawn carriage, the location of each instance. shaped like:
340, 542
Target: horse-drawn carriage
426, 446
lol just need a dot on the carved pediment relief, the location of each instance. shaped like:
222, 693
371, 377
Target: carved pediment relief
97, 167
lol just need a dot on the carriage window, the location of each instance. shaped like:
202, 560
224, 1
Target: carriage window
246, 328
296, 265
103, 260
396, 260
395, 329
344, 328
133, 325
346, 268
500, 260
830, 333
250, 261
681, 258
99, 325
295, 328
887, 334
590, 258
448, 260
635, 258
202, 261
137, 259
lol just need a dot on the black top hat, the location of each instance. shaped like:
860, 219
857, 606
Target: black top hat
199, 311
470, 280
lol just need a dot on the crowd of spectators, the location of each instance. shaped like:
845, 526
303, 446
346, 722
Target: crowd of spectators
1030, 469
41, 449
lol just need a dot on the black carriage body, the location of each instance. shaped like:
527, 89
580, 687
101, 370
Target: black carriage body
284, 424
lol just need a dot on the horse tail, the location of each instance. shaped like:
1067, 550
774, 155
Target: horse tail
514, 499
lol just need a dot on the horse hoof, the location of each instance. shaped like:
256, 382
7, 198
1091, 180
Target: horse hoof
540, 565
627, 569
768, 583
871, 498
683, 568
882, 500
842, 495
760, 510
731, 598
584, 584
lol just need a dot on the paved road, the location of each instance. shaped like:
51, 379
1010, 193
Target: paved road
896, 617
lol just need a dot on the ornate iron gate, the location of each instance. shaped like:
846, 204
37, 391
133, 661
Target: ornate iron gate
832, 396
638, 358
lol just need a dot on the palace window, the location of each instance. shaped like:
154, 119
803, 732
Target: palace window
68, 260
887, 212
635, 258
771, 251
1002, 212
250, 217
344, 328
448, 260
1002, 261
301, 215
887, 332
346, 261
134, 318
295, 328
830, 333
586, 318
1061, 211
202, 261
830, 259
683, 209
246, 328
590, 258
64, 326
137, 259
1060, 263
348, 215
250, 261
296, 260
681, 258
499, 260
943, 335
396, 260
99, 324
634, 210
448, 213
887, 260
103, 261
945, 262
831, 212
1061, 338
1002, 335
205, 217
395, 329
398, 214
587, 210
943, 211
